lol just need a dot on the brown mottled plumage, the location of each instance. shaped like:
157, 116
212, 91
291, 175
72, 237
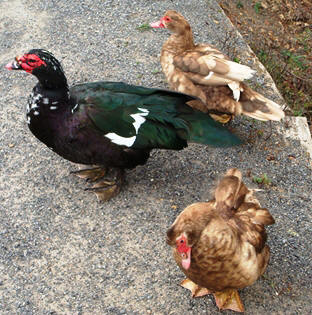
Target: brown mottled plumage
224, 242
203, 71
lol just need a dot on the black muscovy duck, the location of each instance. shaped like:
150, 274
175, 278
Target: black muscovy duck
110, 124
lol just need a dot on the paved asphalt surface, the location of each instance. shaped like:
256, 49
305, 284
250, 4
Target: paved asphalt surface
62, 252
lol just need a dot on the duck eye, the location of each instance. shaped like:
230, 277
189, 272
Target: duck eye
167, 19
181, 241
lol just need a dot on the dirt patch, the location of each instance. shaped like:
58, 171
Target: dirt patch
280, 33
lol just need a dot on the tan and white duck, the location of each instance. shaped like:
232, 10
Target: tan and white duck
202, 70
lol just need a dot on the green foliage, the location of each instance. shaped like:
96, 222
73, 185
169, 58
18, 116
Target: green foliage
156, 71
239, 5
290, 72
305, 40
297, 112
262, 180
260, 133
262, 55
257, 7
236, 59
298, 61
143, 27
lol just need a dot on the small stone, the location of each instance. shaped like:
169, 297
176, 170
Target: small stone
270, 157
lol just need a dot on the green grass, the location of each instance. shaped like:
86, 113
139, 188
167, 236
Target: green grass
295, 60
257, 7
292, 74
239, 5
156, 71
263, 179
143, 27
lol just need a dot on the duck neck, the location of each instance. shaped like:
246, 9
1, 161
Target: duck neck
179, 42
53, 81
50, 95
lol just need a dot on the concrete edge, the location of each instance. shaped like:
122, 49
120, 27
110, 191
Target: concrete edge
299, 130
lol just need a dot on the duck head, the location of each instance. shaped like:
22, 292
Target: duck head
42, 64
173, 21
182, 238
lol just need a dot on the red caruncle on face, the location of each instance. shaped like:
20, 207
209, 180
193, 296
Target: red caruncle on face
181, 245
29, 62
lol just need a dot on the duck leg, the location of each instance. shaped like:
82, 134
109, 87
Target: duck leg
91, 174
106, 190
227, 299
221, 118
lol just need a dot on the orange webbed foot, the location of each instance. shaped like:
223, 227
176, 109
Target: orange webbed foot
221, 118
196, 290
229, 299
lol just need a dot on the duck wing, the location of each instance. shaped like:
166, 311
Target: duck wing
146, 118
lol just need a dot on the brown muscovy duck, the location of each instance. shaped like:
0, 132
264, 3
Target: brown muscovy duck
110, 124
202, 70
220, 244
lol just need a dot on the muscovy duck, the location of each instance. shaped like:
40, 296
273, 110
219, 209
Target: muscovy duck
109, 124
220, 244
202, 70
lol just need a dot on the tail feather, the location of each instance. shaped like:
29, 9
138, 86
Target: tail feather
261, 216
203, 129
234, 194
233, 201
228, 189
259, 107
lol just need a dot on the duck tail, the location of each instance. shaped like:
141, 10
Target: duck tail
231, 193
259, 107
203, 129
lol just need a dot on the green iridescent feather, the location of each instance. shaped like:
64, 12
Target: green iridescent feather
170, 123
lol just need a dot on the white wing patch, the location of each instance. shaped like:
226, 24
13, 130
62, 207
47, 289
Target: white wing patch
138, 121
139, 118
235, 87
128, 142
74, 108
209, 75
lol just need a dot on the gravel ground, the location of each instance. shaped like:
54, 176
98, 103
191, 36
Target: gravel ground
61, 252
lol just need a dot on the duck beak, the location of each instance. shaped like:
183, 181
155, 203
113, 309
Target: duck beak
186, 259
15, 65
158, 24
